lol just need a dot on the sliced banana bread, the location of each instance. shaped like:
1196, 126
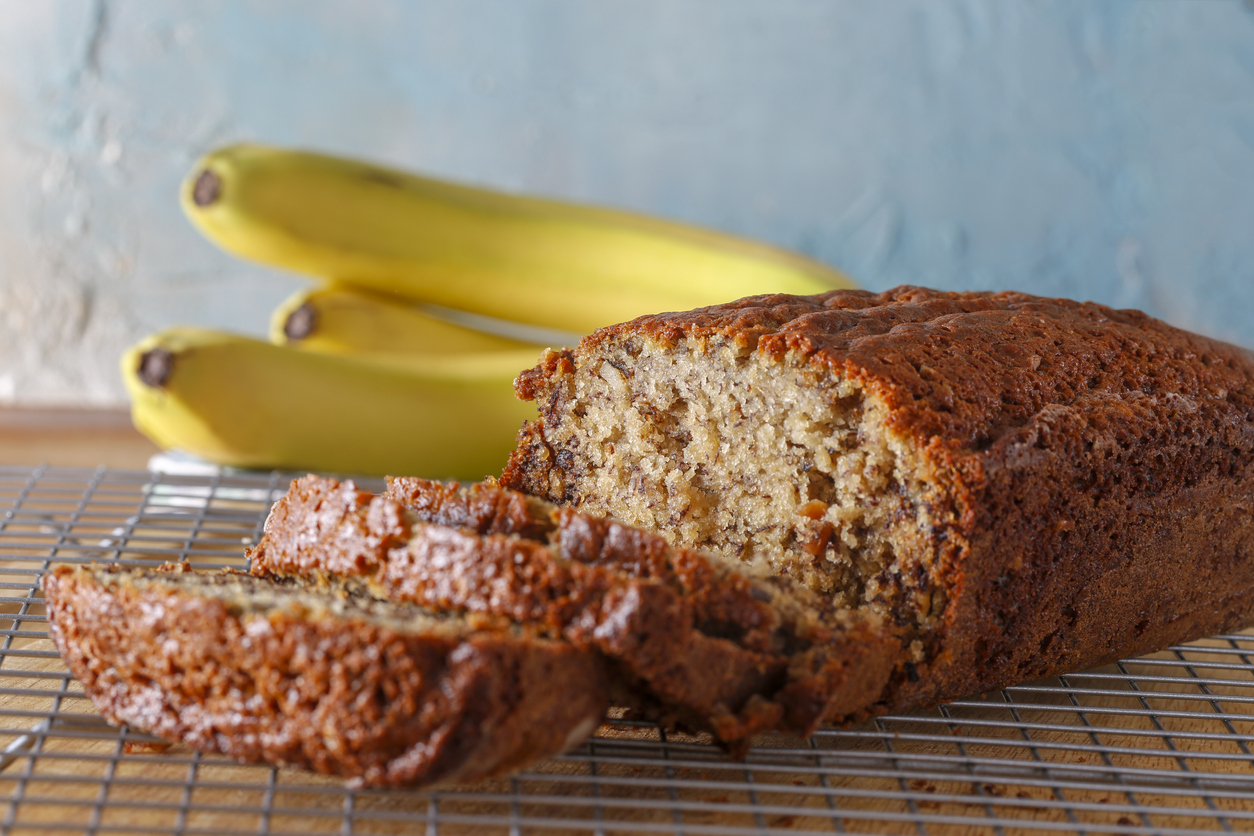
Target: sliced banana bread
696, 641
306, 675
1024, 485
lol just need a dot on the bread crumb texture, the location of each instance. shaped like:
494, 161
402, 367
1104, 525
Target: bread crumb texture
745, 455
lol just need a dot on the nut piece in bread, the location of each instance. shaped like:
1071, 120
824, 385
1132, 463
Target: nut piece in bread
294, 674
1021, 485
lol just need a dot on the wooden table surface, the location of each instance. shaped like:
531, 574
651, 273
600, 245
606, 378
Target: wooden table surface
72, 438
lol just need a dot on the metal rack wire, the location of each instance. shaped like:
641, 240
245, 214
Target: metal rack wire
1160, 744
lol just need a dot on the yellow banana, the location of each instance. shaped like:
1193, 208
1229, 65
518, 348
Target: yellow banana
544, 262
239, 401
337, 320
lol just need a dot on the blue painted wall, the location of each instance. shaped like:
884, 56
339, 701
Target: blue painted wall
1101, 150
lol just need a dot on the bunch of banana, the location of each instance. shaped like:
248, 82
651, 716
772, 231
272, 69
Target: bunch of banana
367, 374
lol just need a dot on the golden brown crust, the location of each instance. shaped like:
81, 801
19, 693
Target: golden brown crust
1088, 471
699, 644
378, 694
1095, 534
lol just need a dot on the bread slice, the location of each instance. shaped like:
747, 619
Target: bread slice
294, 674
696, 641
1023, 485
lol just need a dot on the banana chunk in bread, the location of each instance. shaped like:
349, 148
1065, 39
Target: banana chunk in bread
1020, 485
695, 641
305, 675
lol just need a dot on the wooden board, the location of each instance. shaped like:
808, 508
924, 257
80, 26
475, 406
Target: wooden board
72, 438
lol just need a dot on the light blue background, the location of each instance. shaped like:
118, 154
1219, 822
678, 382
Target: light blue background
1100, 150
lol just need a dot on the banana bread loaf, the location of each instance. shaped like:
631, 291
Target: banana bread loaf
695, 641
297, 674
1021, 485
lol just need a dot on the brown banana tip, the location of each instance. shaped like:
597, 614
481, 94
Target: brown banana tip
155, 366
208, 188
301, 322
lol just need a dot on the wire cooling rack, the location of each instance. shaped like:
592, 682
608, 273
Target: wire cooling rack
1160, 744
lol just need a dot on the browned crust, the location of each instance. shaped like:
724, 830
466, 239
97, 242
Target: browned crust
703, 646
1095, 535
1089, 469
296, 686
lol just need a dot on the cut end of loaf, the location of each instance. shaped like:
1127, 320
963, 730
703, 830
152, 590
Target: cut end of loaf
726, 449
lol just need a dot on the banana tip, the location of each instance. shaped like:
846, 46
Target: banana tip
301, 322
155, 366
207, 189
